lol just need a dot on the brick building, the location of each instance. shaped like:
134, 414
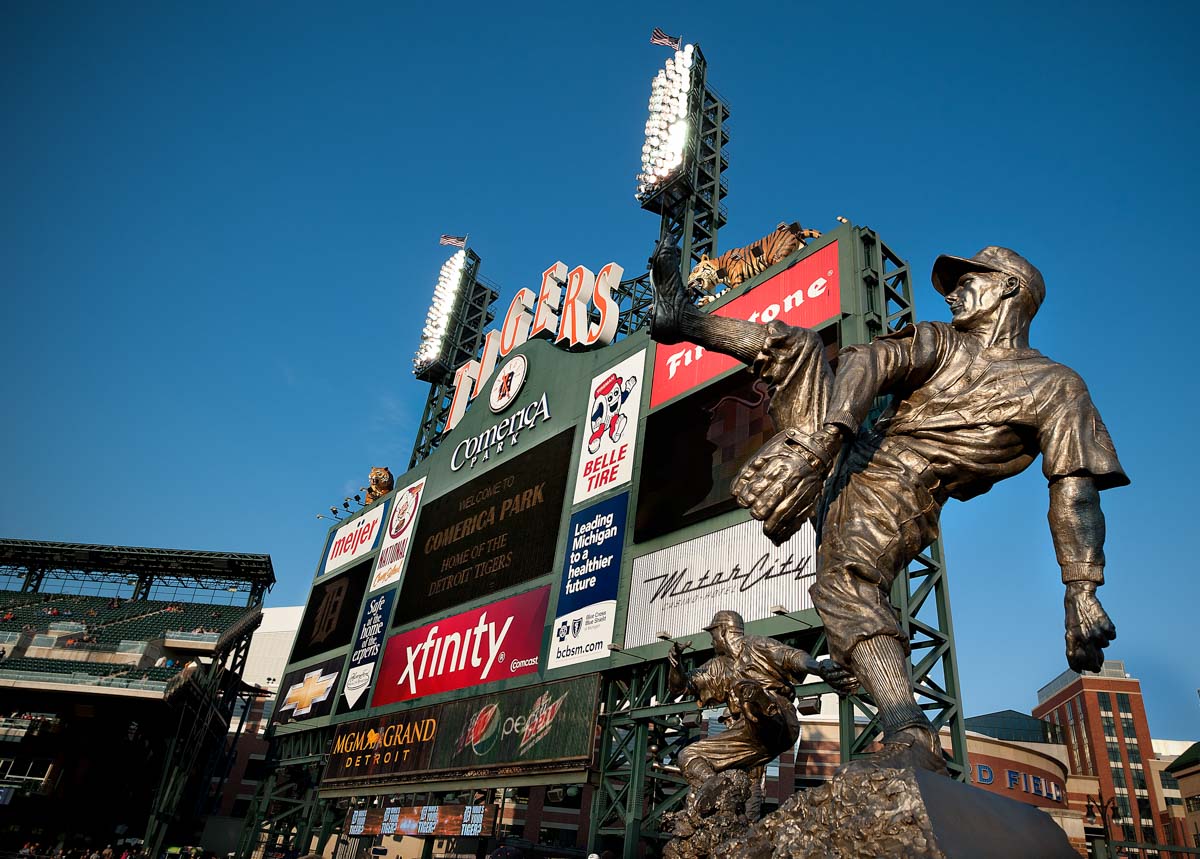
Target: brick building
1103, 720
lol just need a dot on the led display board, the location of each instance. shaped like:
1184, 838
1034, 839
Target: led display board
447, 821
498, 530
329, 619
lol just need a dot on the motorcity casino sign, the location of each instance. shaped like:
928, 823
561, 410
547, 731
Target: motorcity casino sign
499, 530
549, 727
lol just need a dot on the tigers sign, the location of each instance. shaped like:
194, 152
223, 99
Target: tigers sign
559, 311
806, 294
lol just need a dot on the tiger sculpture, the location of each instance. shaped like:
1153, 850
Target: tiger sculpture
735, 267
380, 483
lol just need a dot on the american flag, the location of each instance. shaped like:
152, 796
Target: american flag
453, 241
658, 37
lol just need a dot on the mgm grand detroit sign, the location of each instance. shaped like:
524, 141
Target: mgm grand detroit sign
457, 627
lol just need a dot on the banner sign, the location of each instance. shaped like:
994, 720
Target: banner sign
493, 642
368, 644
354, 539
551, 723
446, 821
397, 534
499, 530
587, 595
383, 746
309, 692
549, 727
678, 589
806, 294
607, 446
331, 613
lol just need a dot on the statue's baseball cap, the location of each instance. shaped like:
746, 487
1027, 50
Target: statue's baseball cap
727, 618
948, 269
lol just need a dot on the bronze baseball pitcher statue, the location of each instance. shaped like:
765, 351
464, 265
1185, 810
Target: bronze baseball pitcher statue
972, 404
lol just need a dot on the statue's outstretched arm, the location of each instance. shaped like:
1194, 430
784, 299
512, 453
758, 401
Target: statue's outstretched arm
1077, 526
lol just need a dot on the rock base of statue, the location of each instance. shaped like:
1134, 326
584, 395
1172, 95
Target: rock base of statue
863, 814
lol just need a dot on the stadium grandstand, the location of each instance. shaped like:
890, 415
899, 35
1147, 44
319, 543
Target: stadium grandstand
120, 671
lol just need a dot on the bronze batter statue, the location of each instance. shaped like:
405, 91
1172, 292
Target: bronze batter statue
972, 404
753, 676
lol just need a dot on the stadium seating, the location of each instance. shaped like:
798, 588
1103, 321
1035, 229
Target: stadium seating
65, 667
136, 620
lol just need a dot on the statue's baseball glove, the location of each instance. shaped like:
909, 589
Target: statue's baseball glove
783, 483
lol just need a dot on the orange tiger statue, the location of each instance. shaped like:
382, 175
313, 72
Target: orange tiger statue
380, 484
735, 267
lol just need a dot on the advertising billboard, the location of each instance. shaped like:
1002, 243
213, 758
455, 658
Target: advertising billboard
608, 445
309, 692
397, 533
549, 727
587, 594
678, 589
331, 614
368, 646
498, 530
354, 539
446, 821
493, 642
807, 293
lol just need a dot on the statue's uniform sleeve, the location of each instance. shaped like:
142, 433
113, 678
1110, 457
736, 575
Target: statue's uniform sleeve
1072, 437
894, 363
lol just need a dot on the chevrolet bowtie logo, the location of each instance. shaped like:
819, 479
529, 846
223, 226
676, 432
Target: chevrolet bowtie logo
313, 689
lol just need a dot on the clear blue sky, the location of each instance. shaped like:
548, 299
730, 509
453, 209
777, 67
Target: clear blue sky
218, 242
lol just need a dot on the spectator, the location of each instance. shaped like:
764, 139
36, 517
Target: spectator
8, 615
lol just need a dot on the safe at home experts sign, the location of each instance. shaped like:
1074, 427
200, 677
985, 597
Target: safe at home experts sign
367, 650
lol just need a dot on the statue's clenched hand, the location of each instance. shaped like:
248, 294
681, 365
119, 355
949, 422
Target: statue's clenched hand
782, 484
842, 681
1089, 629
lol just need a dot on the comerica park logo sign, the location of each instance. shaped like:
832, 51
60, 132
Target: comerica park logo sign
560, 311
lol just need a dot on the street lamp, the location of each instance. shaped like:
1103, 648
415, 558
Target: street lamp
1106, 808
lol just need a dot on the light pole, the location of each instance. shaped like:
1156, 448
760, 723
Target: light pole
1106, 808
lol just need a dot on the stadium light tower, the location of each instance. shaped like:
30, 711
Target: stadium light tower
453, 334
683, 156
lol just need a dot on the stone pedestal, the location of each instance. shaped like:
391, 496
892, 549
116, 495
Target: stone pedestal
868, 814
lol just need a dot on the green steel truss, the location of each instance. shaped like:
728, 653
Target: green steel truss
465, 340
286, 813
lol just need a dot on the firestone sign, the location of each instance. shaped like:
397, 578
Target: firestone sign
805, 294
559, 311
